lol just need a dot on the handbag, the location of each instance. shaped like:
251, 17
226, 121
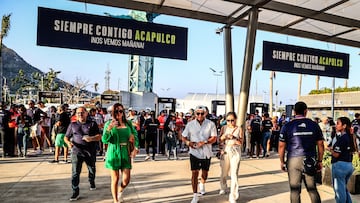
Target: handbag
221, 152
310, 166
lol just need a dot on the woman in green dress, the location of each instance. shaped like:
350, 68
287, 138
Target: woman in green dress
119, 134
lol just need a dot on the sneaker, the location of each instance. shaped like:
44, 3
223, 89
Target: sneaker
222, 192
147, 158
63, 162
75, 196
38, 152
195, 199
120, 197
92, 187
54, 162
232, 201
267, 154
202, 188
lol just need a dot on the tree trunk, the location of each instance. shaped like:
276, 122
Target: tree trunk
299, 90
317, 80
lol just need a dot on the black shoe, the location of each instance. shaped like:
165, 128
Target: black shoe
75, 196
54, 162
92, 186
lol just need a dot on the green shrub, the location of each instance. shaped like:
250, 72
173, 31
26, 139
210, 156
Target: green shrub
355, 162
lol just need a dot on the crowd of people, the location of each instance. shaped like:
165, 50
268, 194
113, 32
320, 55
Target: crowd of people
118, 135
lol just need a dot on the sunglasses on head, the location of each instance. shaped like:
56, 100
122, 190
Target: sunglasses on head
198, 113
118, 111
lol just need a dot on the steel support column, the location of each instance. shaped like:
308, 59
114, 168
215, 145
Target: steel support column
229, 81
247, 69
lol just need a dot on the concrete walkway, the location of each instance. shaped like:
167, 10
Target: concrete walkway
35, 180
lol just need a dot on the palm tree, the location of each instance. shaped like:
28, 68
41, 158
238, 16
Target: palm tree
271, 89
5, 27
96, 87
317, 80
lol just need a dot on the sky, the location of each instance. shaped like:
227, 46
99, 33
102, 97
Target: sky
172, 78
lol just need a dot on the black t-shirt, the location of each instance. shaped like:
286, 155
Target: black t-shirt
64, 122
301, 136
255, 125
150, 126
24, 121
37, 114
4, 118
342, 146
267, 125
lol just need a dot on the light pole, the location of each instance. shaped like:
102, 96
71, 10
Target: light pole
217, 74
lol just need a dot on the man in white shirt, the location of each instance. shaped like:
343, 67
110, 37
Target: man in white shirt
199, 134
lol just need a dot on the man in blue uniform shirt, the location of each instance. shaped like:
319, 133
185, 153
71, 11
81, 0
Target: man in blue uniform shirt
301, 138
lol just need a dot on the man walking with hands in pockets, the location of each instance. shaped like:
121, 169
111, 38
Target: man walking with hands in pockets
199, 134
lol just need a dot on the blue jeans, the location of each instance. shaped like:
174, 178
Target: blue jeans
265, 138
341, 172
77, 162
22, 139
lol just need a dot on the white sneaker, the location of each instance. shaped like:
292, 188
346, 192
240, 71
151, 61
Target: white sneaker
120, 197
232, 201
147, 158
202, 188
195, 199
222, 192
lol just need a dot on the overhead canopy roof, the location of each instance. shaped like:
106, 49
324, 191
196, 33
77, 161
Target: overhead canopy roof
336, 21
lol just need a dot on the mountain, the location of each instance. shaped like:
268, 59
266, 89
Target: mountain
12, 63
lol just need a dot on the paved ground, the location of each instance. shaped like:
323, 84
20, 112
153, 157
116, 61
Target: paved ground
34, 180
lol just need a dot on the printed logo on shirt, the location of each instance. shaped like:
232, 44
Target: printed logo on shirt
302, 125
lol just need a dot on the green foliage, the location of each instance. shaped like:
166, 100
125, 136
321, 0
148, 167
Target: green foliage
5, 25
338, 89
355, 162
326, 162
38, 81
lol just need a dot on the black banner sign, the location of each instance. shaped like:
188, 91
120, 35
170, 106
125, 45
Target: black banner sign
50, 94
296, 59
110, 97
57, 28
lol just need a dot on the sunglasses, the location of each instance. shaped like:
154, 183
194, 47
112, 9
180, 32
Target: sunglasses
198, 113
80, 113
118, 111
230, 120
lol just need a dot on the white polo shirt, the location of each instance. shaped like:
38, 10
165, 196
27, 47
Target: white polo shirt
197, 133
